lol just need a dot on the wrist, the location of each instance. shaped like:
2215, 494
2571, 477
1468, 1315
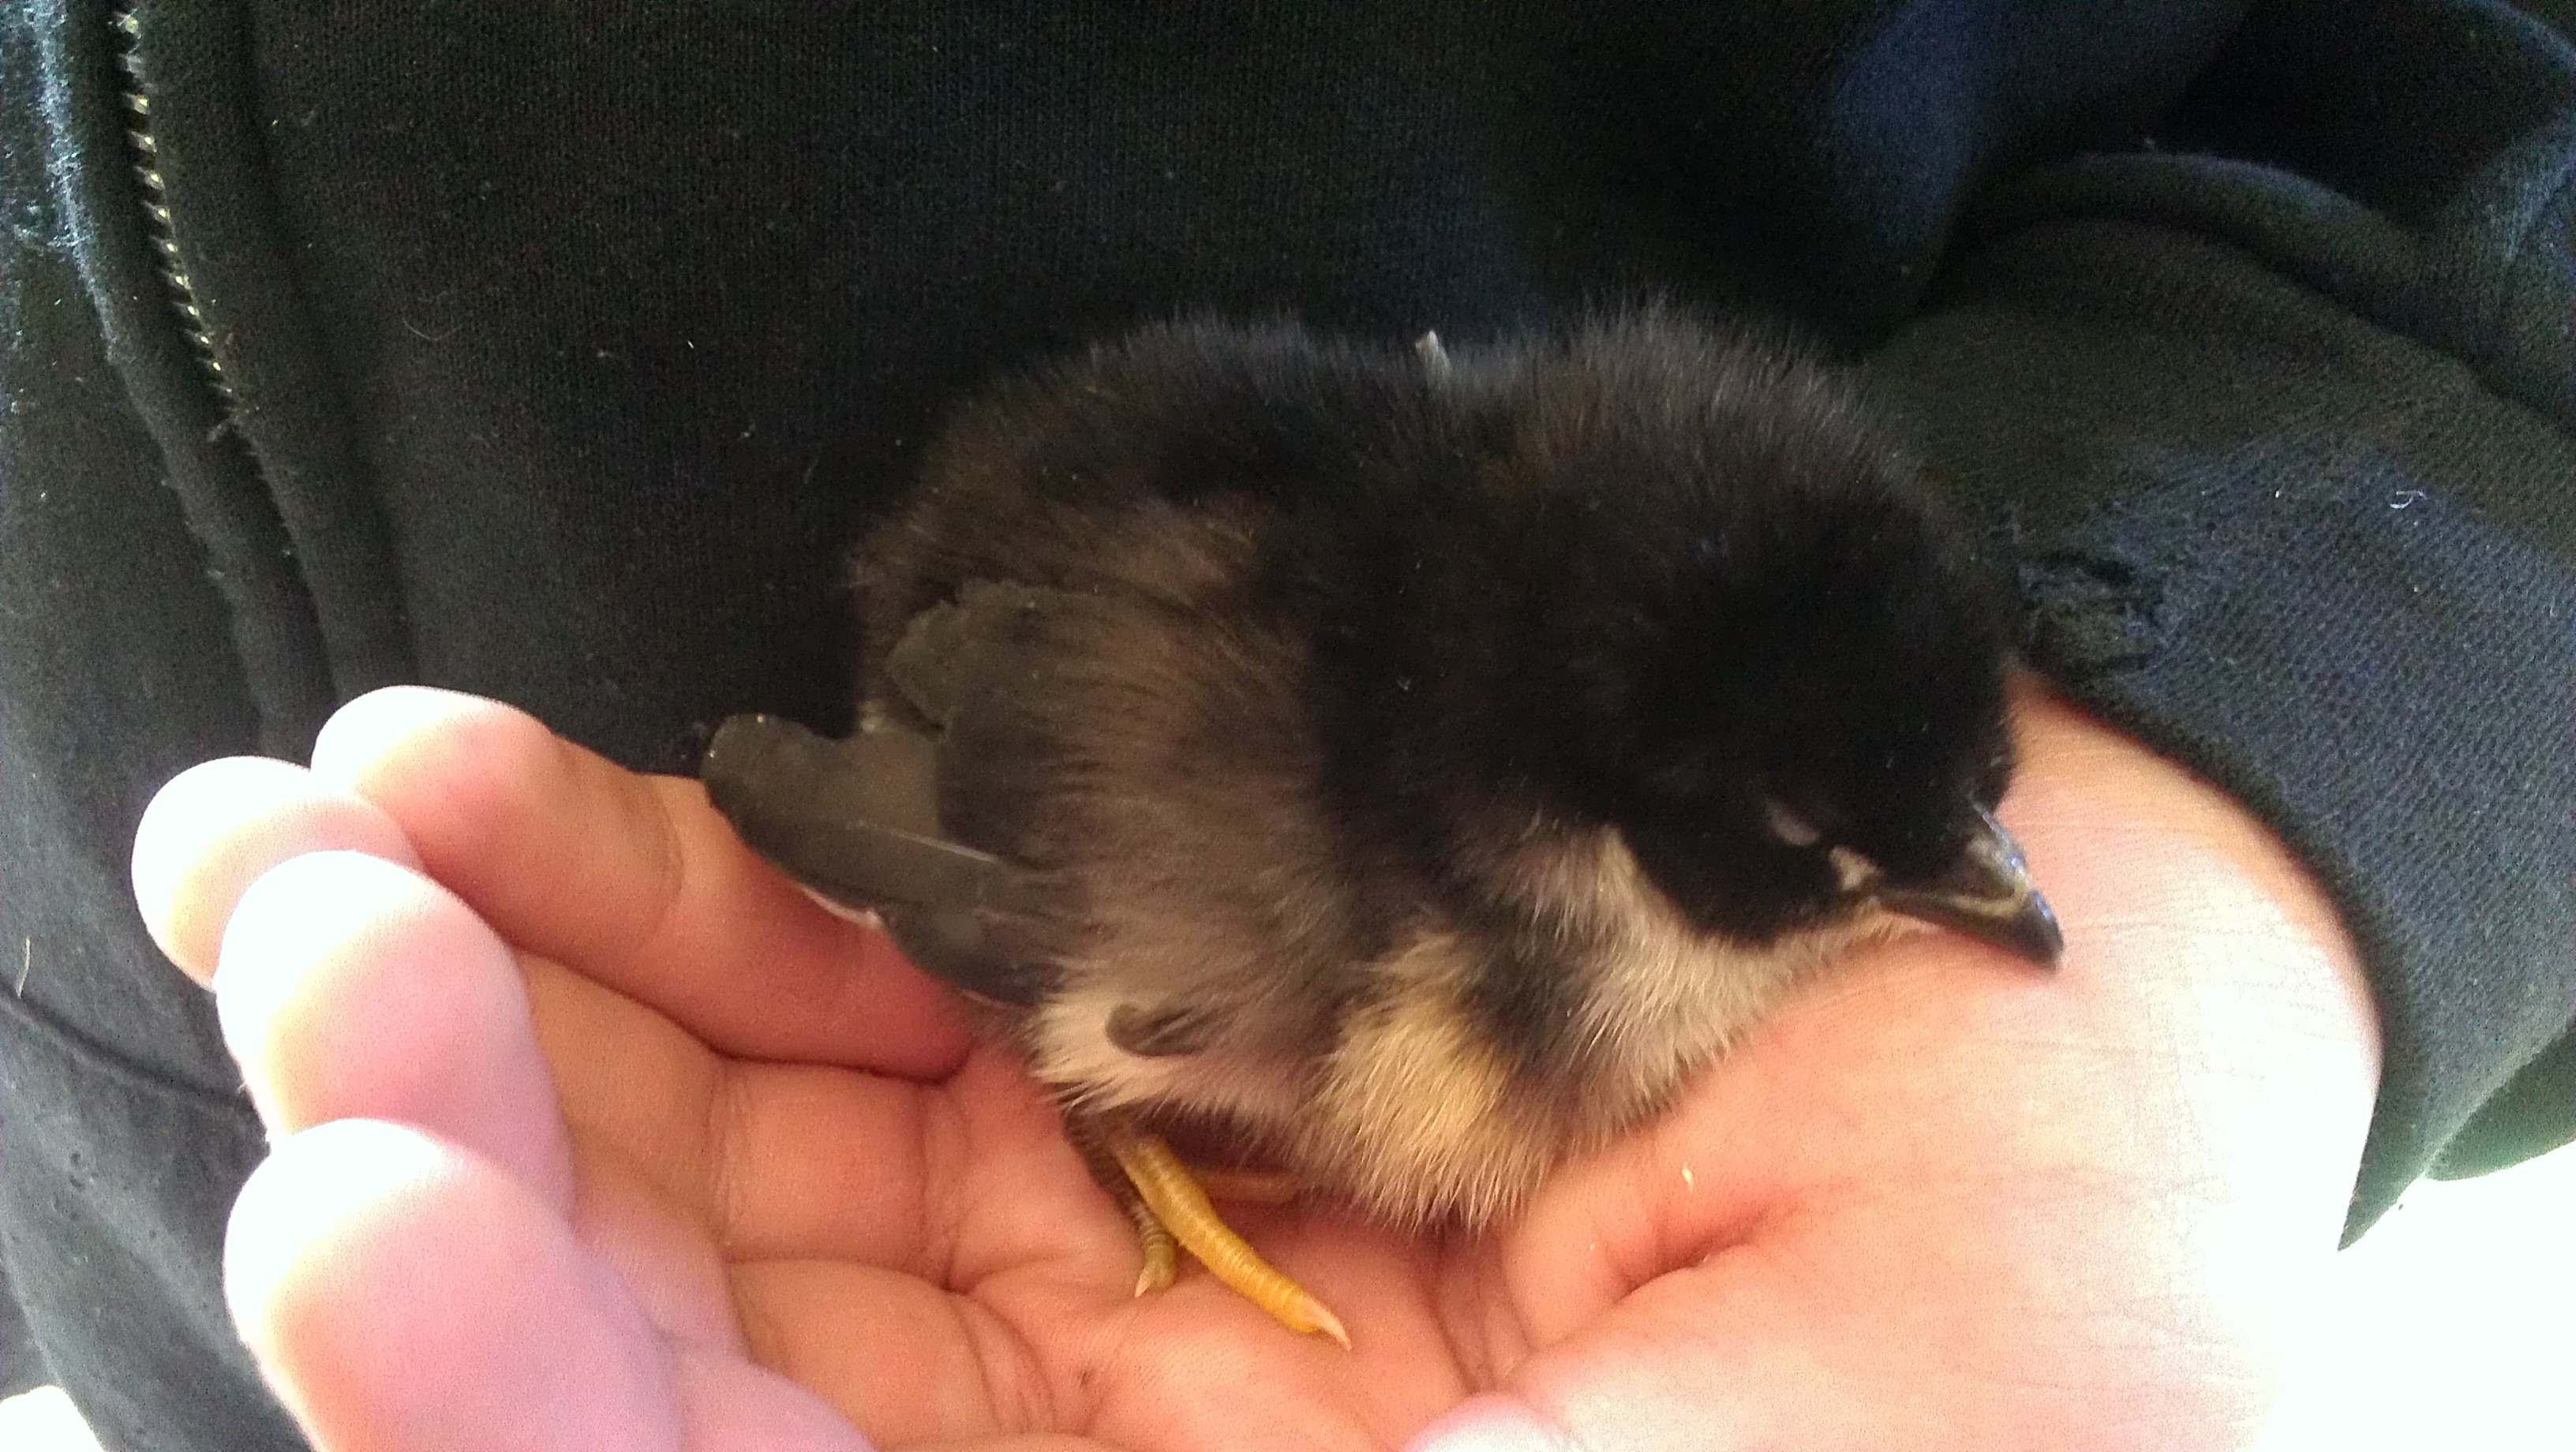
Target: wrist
2193, 915
2207, 959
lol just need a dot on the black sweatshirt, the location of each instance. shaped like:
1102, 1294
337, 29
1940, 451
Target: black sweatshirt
558, 353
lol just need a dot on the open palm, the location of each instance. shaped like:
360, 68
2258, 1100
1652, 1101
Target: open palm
594, 1132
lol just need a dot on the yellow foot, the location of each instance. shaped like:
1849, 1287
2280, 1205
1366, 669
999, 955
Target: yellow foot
1177, 1201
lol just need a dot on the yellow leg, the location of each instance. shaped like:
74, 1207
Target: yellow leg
1183, 1208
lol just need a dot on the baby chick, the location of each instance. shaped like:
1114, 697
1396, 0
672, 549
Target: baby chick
1414, 767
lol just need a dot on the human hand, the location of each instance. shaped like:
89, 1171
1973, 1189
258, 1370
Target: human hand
1940, 1201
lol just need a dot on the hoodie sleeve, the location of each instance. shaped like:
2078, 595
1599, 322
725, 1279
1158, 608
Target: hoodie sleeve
2276, 421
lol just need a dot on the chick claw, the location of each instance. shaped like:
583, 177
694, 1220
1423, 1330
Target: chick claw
1162, 1262
1182, 1208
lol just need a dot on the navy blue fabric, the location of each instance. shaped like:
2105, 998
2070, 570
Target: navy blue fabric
564, 353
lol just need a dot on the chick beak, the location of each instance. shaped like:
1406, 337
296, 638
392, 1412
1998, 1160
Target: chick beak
1986, 894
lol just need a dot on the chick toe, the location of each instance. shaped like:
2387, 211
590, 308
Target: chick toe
1175, 1200
1162, 1260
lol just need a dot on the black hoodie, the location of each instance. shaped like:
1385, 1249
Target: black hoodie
558, 354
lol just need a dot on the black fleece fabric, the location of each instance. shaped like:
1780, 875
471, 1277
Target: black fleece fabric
559, 353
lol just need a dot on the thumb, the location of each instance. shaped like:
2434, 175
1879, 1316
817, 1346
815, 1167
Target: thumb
403, 1294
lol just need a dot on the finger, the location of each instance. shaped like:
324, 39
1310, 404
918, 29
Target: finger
666, 1260
1702, 1360
905, 1361
800, 1161
217, 826
404, 1295
734, 1406
913, 1365
634, 881
1493, 1424
349, 987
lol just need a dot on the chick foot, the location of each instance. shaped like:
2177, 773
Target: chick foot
1169, 1206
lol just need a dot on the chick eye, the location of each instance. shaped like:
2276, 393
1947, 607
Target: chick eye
1788, 826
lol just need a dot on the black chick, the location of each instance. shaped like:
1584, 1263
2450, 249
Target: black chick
1415, 767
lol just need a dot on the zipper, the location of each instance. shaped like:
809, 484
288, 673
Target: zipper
194, 409
180, 293
310, 628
